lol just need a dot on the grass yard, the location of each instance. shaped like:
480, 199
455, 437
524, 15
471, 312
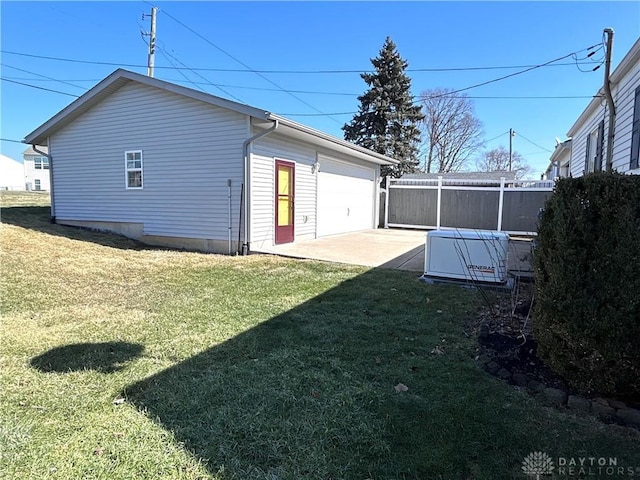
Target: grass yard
249, 368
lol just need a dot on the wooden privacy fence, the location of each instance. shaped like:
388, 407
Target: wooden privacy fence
511, 206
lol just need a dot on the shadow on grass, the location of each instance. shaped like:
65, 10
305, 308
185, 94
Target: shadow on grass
310, 393
38, 218
107, 357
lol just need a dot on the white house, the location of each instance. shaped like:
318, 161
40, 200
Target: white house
560, 161
590, 133
36, 168
169, 165
11, 174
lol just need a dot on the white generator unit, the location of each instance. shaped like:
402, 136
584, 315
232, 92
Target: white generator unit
474, 255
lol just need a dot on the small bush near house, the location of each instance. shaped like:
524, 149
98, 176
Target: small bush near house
587, 269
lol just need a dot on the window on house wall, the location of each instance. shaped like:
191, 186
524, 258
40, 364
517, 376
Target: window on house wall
635, 135
133, 168
37, 182
45, 163
593, 155
37, 163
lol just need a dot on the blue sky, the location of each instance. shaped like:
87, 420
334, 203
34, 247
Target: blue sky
315, 36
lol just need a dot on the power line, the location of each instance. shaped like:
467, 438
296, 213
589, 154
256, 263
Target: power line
287, 72
315, 92
511, 74
10, 140
284, 114
496, 137
43, 76
40, 88
533, 143
165, 54
244, 64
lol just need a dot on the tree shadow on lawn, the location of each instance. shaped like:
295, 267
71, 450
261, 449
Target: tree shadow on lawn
38, 218
107, 357
310, 393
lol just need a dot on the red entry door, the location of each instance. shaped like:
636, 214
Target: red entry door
285, 174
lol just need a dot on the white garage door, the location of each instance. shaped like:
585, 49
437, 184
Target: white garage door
345, 197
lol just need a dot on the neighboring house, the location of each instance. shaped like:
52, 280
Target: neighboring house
36, 168
590, 132
170, 165
11, 174
560, 161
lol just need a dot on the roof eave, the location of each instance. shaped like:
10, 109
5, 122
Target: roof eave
370, 155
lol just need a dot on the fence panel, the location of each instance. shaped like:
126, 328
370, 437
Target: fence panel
469, 204
413, 206
520, 209
474, 209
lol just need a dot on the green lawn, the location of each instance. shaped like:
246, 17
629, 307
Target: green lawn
249, 368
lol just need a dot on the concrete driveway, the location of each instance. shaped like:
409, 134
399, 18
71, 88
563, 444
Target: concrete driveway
387, 248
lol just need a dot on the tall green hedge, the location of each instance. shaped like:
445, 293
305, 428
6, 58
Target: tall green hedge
587, 272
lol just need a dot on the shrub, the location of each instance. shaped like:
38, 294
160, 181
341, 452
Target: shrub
587, 271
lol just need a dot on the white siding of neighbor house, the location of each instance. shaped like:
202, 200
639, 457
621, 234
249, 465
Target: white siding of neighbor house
189, 149
623, 92
31, 174
624, 96
579, 140
264, 153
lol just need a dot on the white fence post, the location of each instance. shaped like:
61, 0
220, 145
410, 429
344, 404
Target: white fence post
439, 202
500, 203
386, 202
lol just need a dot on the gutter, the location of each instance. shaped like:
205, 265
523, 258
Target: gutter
609, 96
53, 207
245, 151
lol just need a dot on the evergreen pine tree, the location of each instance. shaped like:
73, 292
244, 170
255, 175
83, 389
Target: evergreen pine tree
387, 120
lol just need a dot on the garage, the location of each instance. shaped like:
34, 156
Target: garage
346, 197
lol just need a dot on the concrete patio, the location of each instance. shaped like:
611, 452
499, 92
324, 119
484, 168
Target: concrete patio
387, 248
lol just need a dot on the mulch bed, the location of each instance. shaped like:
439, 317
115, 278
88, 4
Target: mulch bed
507, 349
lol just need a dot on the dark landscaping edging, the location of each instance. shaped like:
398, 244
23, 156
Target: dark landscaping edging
613, 411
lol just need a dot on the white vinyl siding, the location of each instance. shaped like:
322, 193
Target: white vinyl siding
308, 205
265, 150
624, 96
190, 151
585, 139
31, 174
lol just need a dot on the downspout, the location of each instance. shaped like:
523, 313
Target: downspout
245, 151
607, 92
53, 206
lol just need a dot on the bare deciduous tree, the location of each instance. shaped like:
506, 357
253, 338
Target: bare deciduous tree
451, 132
497, 160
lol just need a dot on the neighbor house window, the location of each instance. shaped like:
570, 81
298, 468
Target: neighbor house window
595, 143
635, 135
37, 181
45, 163
133, 168
37, 163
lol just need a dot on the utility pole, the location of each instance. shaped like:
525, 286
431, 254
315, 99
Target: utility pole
511, 135
607, 91
152, 41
